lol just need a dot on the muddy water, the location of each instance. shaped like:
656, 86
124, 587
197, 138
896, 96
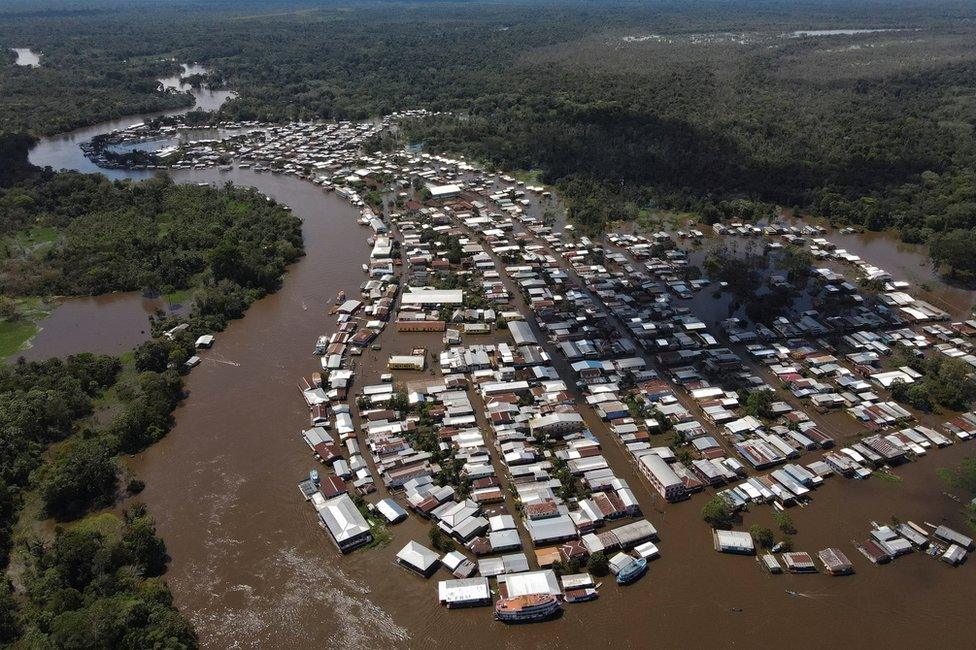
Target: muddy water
251, 567
109, 324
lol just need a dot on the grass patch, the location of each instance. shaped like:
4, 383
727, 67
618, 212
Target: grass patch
105, 523
381, 534
529, 177
888, 476
178, 297
13, 336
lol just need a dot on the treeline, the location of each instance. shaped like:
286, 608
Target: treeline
154, 236
96, 586
83, 590
871, 129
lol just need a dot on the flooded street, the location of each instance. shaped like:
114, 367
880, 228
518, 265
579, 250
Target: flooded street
252, 568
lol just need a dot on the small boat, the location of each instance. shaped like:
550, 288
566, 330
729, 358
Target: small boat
340, 297
317, 379
528, 608
365, 268
370, 241
314, 476
225, 168
632, 571
320, 345
777, 547
581, 595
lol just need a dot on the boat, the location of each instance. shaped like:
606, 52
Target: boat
528, 608
314, 476
340, 297
365, 268
632, 571
581, 595
320, 345
225, 168
317, 379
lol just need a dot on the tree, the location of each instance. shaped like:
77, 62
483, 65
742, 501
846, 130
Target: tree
954, 250
759, 403
83, 474
598, 564
717, 512
784, 521
439, 540
762, 535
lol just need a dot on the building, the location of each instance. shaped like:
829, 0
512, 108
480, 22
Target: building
662, 477
530, 583
407, 362
417, 296
440, 192
556, 424
733, 541
469, 592
391, 511
420, 325
799, 562
418, 558
835, 562
341, 517
522, 333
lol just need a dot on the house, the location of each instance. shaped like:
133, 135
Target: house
418, 558
341, 517
469, 592
662, 477
733, 541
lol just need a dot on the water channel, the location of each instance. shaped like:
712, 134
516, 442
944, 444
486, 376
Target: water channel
251, 568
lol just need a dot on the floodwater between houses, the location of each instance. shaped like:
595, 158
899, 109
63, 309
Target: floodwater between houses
252, 568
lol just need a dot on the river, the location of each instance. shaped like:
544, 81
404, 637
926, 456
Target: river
251, 567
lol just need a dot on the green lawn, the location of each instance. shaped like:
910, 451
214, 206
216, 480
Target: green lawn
178, 297
13, 336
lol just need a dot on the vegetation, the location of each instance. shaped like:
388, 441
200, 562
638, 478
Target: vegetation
627, 108
440, 540
598, 564
718, 512
963, 478
762, 535
784, 521
154, 236
758, 403
91, 589
945, 382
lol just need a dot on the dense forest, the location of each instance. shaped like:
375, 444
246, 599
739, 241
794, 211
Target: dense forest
627, 107
58, 448
82, 590
154, 236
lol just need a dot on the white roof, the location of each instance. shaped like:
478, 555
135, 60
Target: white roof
417, 555
462, 591
342, 517
531, 582
432, 297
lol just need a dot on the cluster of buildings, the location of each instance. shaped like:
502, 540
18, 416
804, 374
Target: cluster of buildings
549, 381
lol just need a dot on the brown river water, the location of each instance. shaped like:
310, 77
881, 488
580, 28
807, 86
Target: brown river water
252, 568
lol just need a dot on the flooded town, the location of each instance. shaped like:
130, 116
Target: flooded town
486, 327
515, 413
